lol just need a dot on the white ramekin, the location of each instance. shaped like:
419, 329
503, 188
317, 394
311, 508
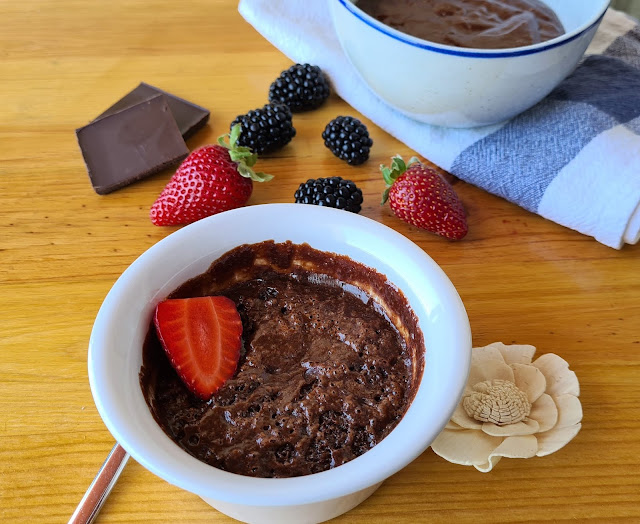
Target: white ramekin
115, 356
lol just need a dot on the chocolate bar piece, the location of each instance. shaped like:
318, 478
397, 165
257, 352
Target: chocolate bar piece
189, 117
131, 144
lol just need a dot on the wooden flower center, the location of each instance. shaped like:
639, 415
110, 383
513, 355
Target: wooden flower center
497, 401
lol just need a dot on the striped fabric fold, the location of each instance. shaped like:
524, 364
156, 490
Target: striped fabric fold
574, 158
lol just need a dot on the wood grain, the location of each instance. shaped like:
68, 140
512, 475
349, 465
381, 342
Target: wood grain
522, 278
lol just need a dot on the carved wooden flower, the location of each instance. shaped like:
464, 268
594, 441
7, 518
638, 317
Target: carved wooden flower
511, 407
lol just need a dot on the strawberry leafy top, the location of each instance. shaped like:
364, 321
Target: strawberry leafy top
242, 155
391, 174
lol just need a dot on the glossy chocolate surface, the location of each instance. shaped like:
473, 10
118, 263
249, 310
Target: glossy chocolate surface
326, 373
482, 24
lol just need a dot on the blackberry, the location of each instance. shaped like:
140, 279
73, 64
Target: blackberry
331, 192
348, 139
266, 129
301, 87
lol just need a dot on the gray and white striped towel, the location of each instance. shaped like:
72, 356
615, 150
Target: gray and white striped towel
574, 158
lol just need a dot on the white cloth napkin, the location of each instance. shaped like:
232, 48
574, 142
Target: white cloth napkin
585, 177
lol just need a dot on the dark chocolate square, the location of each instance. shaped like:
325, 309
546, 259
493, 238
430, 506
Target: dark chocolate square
131, 144
189, 117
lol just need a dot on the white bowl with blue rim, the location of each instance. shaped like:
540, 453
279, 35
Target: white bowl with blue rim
463, 87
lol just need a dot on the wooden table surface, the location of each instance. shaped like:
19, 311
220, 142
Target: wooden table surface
523, 279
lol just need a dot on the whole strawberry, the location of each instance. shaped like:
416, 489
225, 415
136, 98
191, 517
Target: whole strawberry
422, 197
210, 180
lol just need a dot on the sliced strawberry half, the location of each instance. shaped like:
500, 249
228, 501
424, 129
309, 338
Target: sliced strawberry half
202, 337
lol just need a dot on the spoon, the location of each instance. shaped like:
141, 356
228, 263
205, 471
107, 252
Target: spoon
99, 490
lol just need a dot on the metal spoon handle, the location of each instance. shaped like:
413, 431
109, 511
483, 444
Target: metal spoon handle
99, 490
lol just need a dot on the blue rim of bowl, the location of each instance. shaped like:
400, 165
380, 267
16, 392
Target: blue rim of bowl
449, 50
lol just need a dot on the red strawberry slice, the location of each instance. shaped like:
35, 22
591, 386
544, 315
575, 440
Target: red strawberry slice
202, 337
422, 197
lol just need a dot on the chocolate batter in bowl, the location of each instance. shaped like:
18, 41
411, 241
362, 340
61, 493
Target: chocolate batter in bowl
332, 358
481, 24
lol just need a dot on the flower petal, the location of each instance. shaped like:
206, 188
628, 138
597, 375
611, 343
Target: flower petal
569, 410
452, 426
515, 353
488, 465
461, 418
545, 412
556, 438
489, 352
529, 379
523, 446
560, 379
526, 427
488, 369
466, 447
512, 447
